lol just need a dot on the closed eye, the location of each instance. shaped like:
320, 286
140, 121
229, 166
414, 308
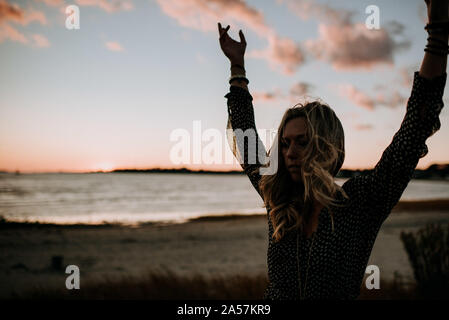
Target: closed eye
301, 143
284, 145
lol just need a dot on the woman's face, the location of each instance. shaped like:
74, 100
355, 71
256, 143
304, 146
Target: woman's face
293, 142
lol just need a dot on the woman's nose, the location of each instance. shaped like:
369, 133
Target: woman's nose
292, 152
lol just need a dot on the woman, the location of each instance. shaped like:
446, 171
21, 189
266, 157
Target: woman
321, 235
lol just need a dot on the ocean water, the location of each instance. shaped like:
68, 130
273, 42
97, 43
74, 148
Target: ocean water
132, 198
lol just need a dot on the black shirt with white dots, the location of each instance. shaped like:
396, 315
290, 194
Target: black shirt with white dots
331, 264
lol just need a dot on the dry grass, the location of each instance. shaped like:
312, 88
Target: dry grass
161, 286
169, 286
428, 252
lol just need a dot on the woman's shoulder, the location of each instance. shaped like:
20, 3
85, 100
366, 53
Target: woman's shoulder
355, 185
348, 194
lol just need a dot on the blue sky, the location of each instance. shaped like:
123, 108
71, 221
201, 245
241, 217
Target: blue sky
70, 103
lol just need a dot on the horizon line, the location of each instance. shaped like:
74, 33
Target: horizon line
183, 169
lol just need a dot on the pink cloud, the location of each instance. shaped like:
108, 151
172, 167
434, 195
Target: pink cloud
34, 16
346, 45
40, 41
8, 32
272, 96
353, 46
300, 89
109, 6
307, 9
52, 3
114, 46
392, 100
361, 127
204, 14
12, 13
386, 97
297, 90
358, 97
282, 54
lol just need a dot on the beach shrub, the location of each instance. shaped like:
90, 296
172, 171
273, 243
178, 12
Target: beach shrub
428, 252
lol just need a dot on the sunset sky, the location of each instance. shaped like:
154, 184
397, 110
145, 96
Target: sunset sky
110, 94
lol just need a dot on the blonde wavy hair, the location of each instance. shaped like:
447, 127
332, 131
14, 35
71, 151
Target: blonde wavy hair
291, 203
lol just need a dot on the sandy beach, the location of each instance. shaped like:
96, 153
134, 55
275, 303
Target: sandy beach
208, 246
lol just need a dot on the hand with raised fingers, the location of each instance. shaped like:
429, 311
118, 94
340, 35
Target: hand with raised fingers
234, 50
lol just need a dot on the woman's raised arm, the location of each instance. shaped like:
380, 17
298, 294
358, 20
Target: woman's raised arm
379, 191
241, 130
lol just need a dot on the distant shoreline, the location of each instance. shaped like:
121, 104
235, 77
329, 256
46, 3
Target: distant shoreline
438, 172
403, 206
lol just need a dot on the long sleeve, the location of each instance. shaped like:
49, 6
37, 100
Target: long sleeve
250, 152
380, 190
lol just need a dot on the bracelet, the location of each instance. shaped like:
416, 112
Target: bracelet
438, 47
437, 40
239, 77
441, 31
438, 27
438, 53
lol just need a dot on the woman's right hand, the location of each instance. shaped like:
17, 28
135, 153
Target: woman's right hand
234, 50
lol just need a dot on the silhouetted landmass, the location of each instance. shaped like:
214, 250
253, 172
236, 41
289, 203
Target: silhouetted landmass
182, 170
433, 172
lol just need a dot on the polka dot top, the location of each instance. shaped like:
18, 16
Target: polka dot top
331, 263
